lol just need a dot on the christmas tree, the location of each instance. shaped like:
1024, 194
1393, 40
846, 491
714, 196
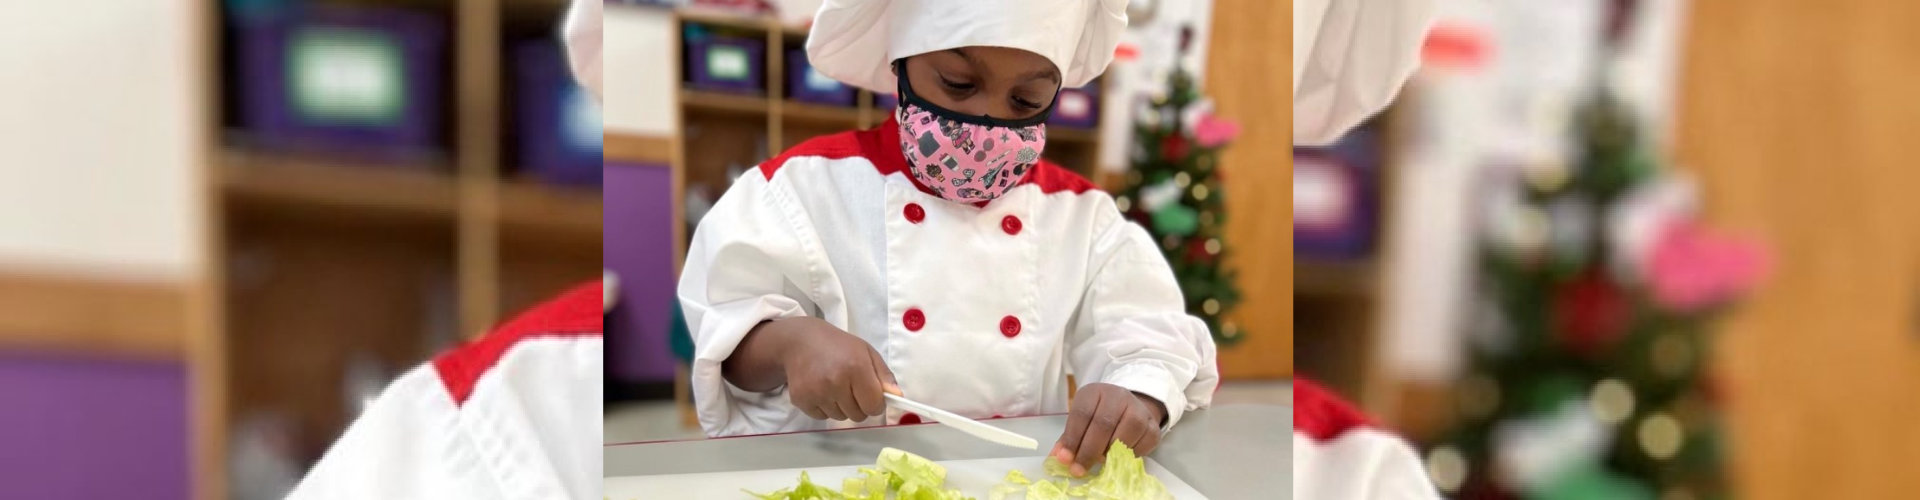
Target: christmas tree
1586, 375
1173, 190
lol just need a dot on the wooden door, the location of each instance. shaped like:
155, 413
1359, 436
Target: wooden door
1243, 75
1803, 120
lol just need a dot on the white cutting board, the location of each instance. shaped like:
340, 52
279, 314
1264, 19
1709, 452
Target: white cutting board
973, 477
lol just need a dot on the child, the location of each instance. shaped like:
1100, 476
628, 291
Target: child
937, 255
515, 414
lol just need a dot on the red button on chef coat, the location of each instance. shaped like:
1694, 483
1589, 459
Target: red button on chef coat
909, 418
913, 319
1010, 326
914, 213
1010, 224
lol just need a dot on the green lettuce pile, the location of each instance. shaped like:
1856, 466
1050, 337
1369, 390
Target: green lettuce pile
907, 476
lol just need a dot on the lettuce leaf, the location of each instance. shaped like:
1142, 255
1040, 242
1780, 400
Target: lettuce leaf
1054, 468
1016, 477
1046, 490
806, 490
911, 469
1125, 477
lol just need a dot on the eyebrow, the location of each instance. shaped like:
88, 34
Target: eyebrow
1049, 73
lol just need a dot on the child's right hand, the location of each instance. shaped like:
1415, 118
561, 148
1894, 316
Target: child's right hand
834, 374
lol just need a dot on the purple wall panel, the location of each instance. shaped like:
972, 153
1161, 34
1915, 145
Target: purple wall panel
75, 427
638, 245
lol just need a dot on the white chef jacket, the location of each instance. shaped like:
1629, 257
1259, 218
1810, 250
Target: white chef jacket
1339, 455
977, 309
514, 415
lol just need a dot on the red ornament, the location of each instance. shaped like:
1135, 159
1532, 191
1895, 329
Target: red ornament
1174, 147
1590, 313
1197, 251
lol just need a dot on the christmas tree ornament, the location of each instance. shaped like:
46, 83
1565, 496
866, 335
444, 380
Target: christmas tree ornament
1170, 242
1229, 330
1213, 246
1182, 179
1571, 228
1207, 219
1447, 468
1546, 176
1122, 204
1200, 192
1591, 482
1590, 314
1660, 436
1197, 253
1612, 401
1175, 220
1210, 306
1160, 195
1173, 148
1532, 452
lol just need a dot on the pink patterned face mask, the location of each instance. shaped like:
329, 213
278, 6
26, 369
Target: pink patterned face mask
963, 158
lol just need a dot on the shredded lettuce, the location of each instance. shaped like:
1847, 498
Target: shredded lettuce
1125, 477
1054, 468
806, 490
907, 476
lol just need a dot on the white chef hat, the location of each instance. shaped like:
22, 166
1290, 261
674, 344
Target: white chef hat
855, 41
1349, 59
582, 33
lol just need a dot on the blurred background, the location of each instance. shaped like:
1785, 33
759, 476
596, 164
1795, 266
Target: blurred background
1618, 249
699, 91
226, 224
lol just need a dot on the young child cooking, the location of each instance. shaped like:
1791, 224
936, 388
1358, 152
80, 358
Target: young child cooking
937, 255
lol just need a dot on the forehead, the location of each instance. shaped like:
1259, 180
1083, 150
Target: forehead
998, 60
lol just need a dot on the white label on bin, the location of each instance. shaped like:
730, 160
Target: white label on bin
1074, 105
1319, 194
727, 63
346, 76
820, 82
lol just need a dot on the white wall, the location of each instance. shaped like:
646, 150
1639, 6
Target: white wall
97, 138
639, 70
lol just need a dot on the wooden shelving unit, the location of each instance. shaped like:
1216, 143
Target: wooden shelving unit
322, 261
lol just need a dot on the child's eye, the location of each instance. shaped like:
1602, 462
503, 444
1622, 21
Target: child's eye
953, 85
1022, 103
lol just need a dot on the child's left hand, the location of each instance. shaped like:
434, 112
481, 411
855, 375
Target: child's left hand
1102, 413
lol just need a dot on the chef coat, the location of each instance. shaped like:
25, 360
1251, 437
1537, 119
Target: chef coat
1339, 455
981, 310
514, 415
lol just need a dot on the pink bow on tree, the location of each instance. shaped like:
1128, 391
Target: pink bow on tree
1691, 268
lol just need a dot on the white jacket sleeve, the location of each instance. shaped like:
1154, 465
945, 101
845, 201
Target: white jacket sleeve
747, 264
1133, 330
400, 447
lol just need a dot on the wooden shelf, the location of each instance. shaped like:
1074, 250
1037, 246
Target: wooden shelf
537, 206
728, 19
1334, 278
1072, 134
720, 102
419, 190
820, 114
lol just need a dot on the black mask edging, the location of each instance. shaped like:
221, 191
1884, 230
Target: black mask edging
908, 97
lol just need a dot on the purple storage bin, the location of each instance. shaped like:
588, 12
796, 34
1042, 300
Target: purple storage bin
353, 80
1335, 199
728, 64
1076, 108
805, 84
558, 123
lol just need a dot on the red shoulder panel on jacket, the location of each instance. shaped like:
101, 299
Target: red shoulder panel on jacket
1320, 414
576, 313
